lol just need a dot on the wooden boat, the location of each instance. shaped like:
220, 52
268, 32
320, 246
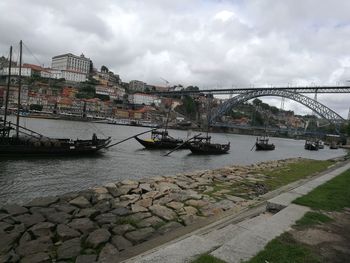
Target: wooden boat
16, 140
262, 144
160, 140
30, 143
203, 145
333, 145
320, 144
311, 145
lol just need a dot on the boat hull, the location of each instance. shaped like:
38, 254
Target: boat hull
264, 147
64, 147
206, 149
161, 144
311, 147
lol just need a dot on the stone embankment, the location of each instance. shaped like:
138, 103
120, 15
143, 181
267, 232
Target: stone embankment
97, 224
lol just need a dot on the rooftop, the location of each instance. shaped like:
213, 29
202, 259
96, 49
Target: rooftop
71, 55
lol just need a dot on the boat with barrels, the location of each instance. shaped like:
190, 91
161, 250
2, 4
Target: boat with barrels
203, 145
311, 145
30, 143
262, 144
160, 140
16, 140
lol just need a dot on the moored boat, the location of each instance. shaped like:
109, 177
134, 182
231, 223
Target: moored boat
203, 145
311, 145
16, 140
262, 144
160, 140
34, 144
333, 145
320, 144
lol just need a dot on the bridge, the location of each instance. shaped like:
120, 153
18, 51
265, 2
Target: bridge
293, 93
299, 89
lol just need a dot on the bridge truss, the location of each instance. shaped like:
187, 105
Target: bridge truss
306, 89
312, 104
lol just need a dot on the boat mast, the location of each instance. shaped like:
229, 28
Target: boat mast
19, 88
208, 114
167, 120
7, 92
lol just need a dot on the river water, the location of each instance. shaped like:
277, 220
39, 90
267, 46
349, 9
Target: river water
24, 179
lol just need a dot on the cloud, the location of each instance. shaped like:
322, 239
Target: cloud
207, 43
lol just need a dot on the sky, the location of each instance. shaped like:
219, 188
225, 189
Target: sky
207, 43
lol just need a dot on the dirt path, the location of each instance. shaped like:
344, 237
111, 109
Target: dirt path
330, 241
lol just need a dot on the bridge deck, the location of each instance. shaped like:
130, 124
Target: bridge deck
320, 89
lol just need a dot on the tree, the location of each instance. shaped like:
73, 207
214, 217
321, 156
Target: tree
102, 97
190, 88
190, 106
258, 119
345, 129
257, 102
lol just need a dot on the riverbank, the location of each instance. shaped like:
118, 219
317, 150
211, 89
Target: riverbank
322, 234
112, 222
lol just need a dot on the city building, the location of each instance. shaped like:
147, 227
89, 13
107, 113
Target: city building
114, 92
55, 73
145, 99
70, 62
69, 92
136, 85
107, 78
25, 72
75, 76
13, 96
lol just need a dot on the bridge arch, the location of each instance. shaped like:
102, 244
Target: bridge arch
312, 104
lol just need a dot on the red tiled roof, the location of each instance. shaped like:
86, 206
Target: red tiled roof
33, 67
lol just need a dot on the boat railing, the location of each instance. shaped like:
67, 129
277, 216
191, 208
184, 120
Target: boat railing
24, 130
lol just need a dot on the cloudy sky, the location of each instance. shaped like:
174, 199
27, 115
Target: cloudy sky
208, 43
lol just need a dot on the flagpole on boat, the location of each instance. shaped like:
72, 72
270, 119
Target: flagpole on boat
19, 88
7, 92
109, 146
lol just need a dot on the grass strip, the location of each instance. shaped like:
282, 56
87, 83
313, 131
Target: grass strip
284, 249
206, 258
334, 195
313, 218
293, 172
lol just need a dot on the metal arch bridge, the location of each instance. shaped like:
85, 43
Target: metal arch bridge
294, 93
314, 105
299, 89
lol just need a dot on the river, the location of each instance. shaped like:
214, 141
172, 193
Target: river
24, 179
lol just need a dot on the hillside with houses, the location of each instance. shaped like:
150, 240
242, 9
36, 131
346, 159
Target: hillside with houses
72, 85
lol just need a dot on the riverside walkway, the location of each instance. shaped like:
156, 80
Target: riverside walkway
238, 238
164, 218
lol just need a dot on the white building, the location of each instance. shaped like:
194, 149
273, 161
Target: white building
146, 99
26, 72
45, 74
114, 92
29, 69
71, 62
55, 74
75, 76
